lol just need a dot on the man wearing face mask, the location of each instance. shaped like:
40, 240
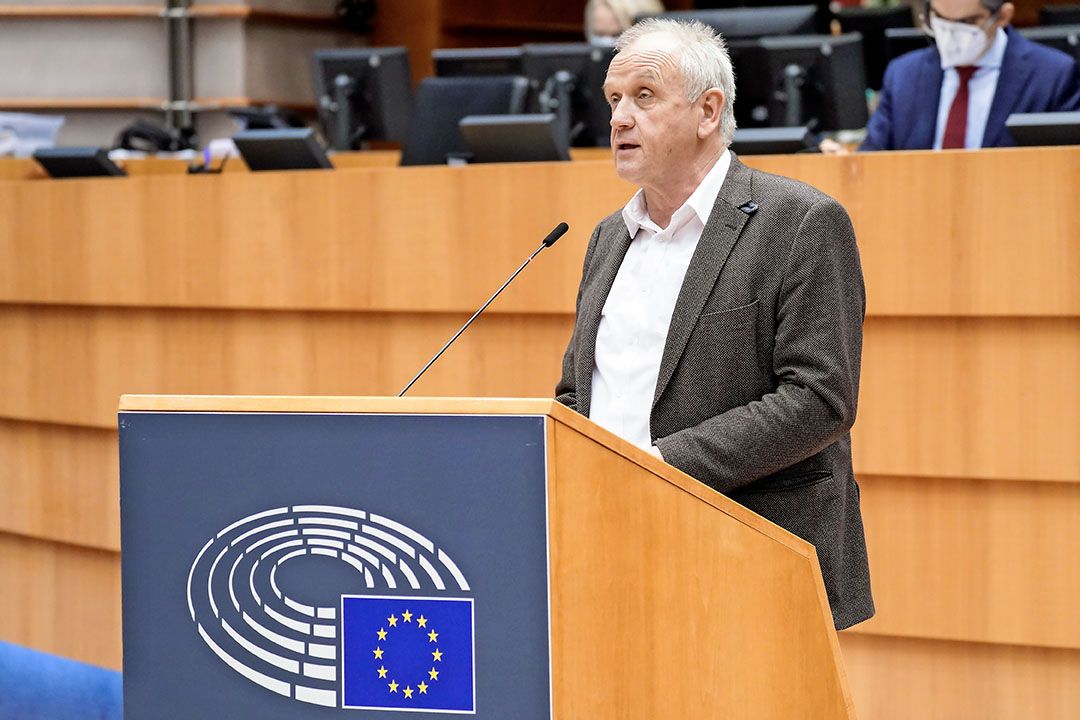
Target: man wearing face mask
959, 93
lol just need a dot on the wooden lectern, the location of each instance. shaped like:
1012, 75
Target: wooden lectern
664, 599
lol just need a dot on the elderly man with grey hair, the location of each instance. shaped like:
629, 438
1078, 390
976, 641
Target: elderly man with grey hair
719, 317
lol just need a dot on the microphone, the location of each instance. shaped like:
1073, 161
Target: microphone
552, 236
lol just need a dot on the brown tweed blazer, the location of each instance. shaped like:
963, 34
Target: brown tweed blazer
759, 376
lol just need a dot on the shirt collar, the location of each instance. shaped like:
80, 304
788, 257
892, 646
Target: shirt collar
701, 201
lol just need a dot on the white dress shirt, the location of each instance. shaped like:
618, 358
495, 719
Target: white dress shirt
981, 88
635, 319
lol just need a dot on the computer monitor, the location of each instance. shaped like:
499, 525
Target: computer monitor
871, 23
772, 141
1061, 128
435, 136
754, 22
266, 117
76, 162
363, 94
817, 81
1059, 15
514, 138
289, 149
1065, 38
568, 80
456, 62
901, 41
741, 28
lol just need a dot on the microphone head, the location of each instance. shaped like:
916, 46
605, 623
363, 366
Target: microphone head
555, 234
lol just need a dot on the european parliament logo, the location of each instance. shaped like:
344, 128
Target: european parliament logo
398, 651
407, 653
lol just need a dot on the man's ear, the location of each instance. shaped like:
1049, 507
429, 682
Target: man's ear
1005, 15
712, 103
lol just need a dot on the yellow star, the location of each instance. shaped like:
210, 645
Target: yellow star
393, 686
437, 655
423, 688
382, 671
433, 673
381, 634
378, 653
432, 636
392, 620
421, 621
408, 691
406, 616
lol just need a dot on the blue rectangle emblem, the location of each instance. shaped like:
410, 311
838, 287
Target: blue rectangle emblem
408, 653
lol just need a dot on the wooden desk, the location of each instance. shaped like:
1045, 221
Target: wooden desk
28, 169
343, 283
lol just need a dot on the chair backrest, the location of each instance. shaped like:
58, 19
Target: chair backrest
39, 686
441, 102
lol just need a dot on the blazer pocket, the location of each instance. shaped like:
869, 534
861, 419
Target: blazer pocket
788, 483
731, 315
723, 351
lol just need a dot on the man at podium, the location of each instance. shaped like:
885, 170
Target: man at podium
719, 317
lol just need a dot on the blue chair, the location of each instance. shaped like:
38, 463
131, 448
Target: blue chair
39, 686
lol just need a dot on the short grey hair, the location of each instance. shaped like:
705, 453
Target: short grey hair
704, 60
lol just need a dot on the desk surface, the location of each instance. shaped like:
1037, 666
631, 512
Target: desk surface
29, 169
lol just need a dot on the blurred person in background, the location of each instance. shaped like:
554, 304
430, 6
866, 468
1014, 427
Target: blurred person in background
958, 93
606, 19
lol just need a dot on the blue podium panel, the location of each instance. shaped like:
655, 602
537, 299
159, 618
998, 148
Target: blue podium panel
334, 566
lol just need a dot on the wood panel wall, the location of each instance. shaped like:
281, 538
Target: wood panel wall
966, 445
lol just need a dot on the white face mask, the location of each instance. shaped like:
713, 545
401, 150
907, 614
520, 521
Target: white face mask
958, 43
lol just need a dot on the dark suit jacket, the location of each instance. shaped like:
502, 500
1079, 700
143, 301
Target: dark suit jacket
1033, 78
760, 372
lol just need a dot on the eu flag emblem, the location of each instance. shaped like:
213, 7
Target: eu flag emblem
407, 653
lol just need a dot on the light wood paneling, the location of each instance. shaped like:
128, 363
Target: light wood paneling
674, 592
60, 483
984, 398
992, 560
26, 169
71, 365
969, 370
904, 679
976, 560
91, 12
938, 237
438, 238
990, 398
80, 103
61, 599
374, 239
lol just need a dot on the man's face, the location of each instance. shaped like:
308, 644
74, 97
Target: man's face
654, 128
972, 12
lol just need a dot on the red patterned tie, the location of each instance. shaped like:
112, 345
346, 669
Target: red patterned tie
956, 125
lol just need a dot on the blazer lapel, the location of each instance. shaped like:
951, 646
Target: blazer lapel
614, 242
1014, 74
717, 239
927, 98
